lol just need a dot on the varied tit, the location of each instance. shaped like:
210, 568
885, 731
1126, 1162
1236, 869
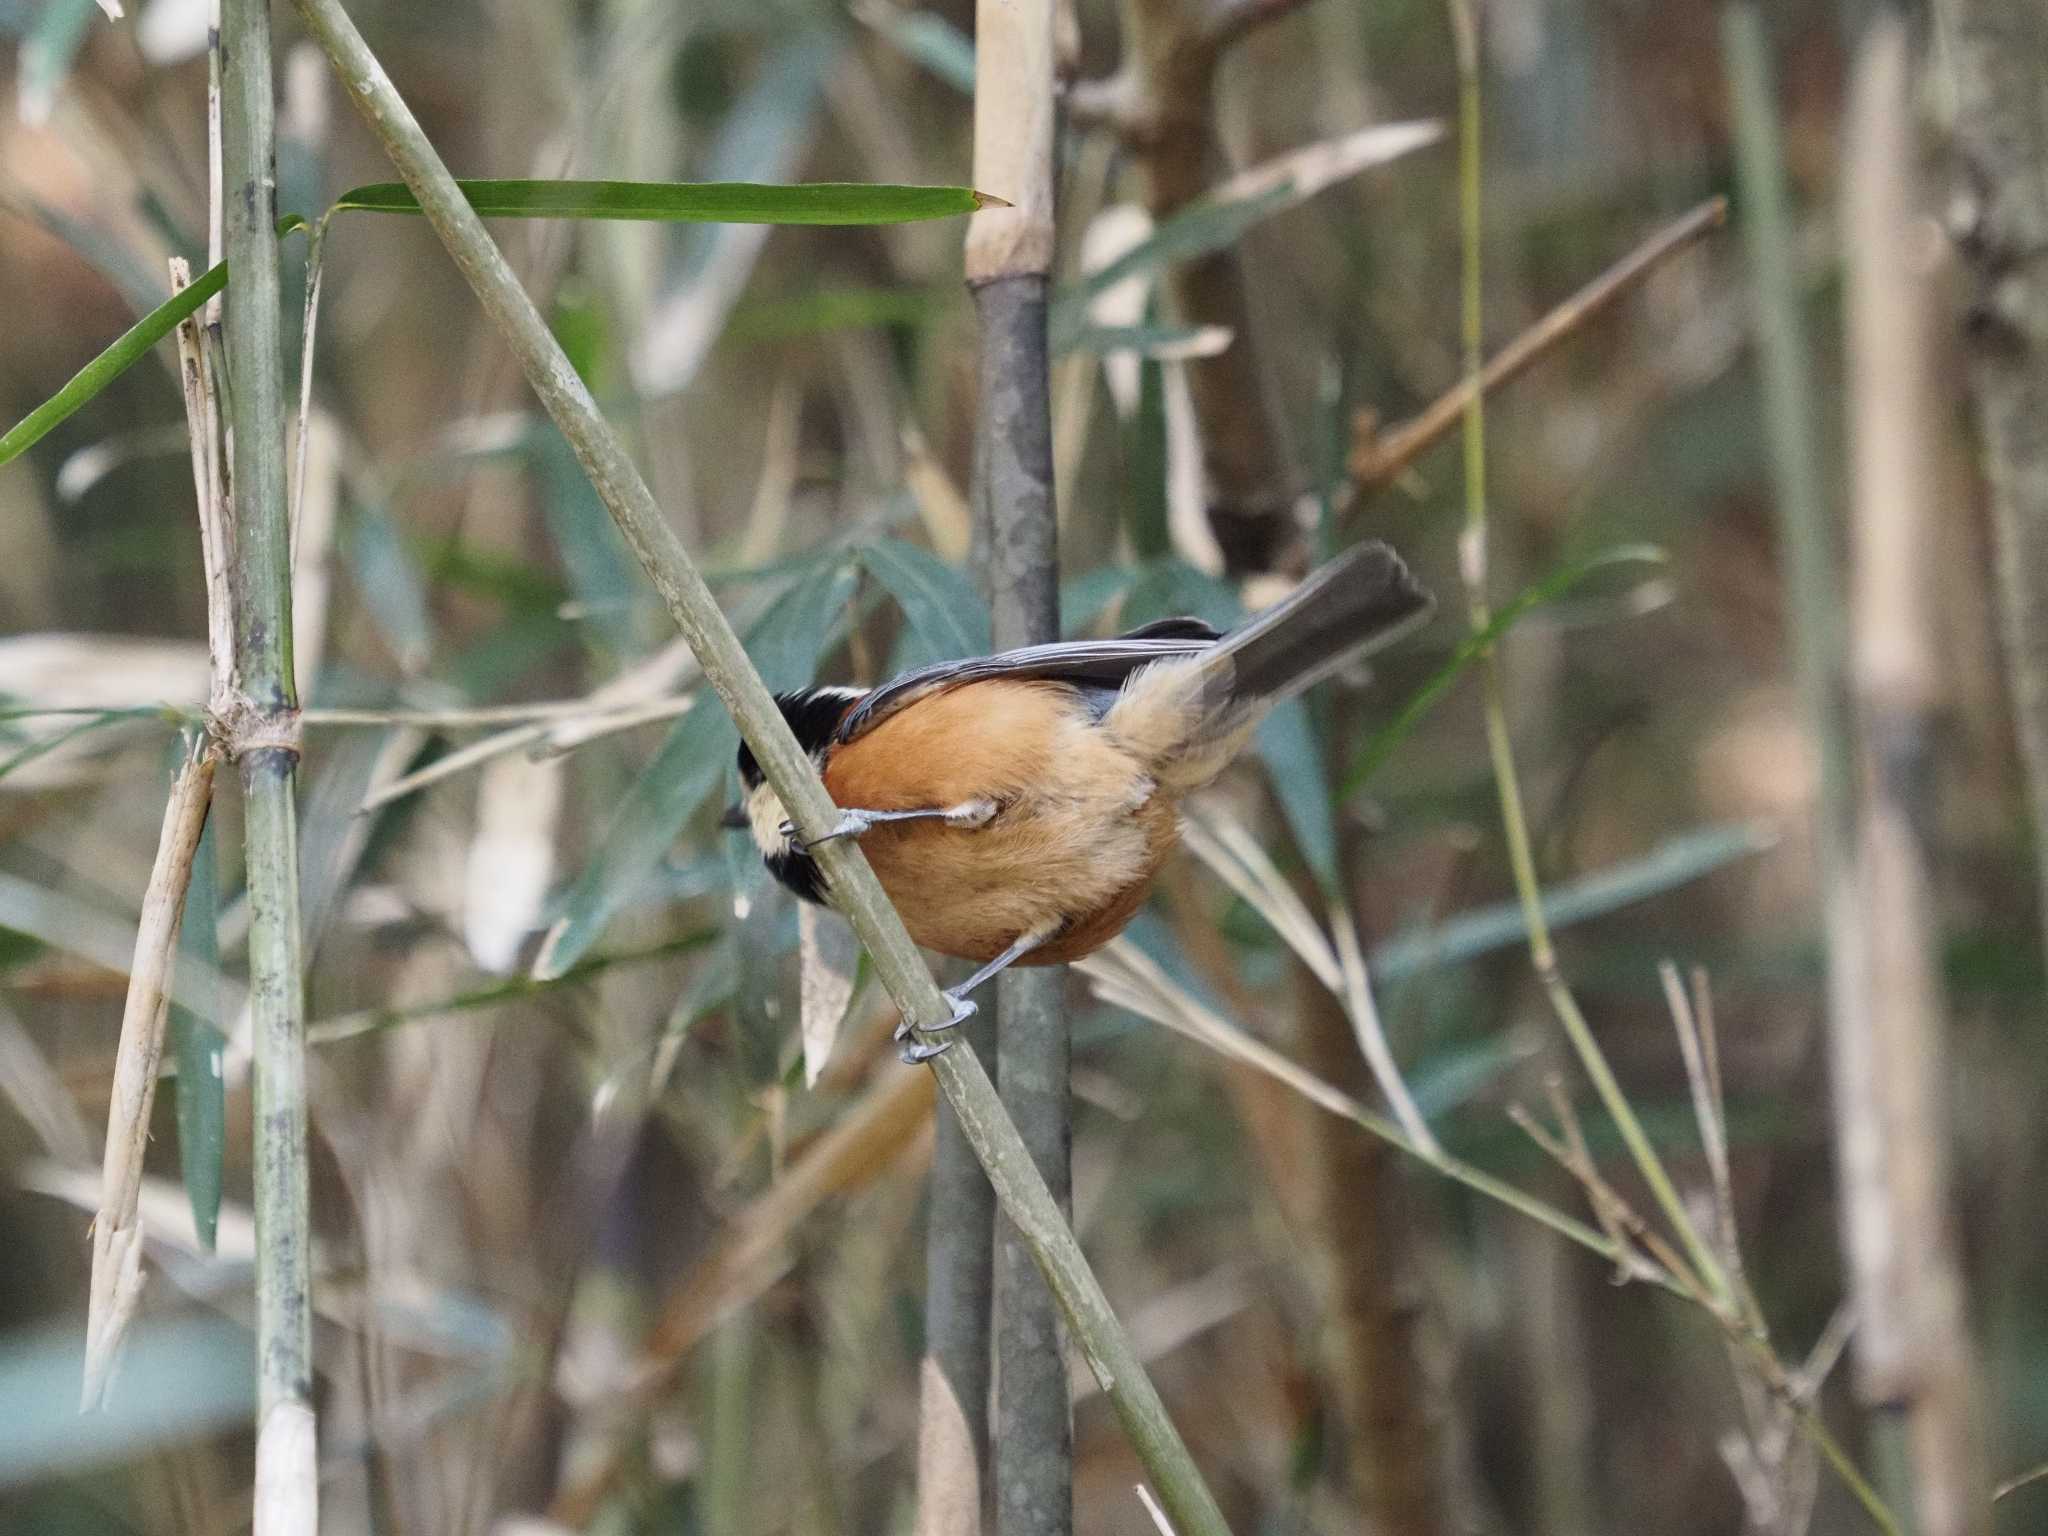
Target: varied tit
1016, 807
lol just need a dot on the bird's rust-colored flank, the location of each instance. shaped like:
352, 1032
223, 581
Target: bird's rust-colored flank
1078, 831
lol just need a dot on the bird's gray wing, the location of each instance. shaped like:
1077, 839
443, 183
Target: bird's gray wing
1096, 667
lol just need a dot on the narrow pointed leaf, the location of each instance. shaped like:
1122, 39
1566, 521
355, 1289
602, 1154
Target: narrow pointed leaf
690, 764
1548, 590
945, 615
200, 1049
709, 202
1674, 862
96, 375
1223, 216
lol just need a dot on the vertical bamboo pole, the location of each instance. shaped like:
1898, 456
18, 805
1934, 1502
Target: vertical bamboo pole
1912, 1349
1995, 54
1009, 265
261, 732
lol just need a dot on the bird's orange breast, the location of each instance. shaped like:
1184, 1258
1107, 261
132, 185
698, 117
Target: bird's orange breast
1080, 827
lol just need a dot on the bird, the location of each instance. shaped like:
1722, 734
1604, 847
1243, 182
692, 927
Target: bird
1017, 806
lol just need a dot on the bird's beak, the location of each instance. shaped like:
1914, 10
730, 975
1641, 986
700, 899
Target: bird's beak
735, 818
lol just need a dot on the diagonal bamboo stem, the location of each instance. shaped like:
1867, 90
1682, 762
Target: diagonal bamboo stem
1022, 1193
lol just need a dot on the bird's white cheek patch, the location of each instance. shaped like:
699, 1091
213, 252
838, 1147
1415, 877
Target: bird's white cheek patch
765, 817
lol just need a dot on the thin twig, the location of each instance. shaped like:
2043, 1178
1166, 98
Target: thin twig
117, 1231
1372, 1038
1377, 457
1708, 1113
202, 424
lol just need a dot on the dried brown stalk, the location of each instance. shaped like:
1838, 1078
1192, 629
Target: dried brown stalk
117, 1229
1377, 457
1912, 1351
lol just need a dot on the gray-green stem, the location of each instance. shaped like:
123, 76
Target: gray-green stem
1022, 1193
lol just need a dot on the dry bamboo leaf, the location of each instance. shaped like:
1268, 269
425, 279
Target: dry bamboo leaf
830, 966
1159, 1520
39, 1096
511, 857
82, 672
948, 1477
1315, 166
313, 544
859, 1146
890, 1122
1111, 234
940, 506
117, 1230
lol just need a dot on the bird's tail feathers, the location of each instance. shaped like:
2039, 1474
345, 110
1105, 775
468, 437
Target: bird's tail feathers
1361, 601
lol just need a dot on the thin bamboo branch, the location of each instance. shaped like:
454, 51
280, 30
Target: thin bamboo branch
203, 428
1378, 457
1472, 560
1020, 1190
259, 728
117, 1228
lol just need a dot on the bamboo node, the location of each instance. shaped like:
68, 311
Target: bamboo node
242, 726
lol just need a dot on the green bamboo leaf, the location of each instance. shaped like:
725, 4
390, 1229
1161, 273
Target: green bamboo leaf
835, 309
1286, 744
388, 579
198, 1046
1674, 862
689, 766
602, 574
945, 616
1168, 343
46, 54
706, 202
800, 625
183, 1378
37, 747
130, 347
928, 39
498, 994
1147, 513
1085, 598
1472, 647
1225, 214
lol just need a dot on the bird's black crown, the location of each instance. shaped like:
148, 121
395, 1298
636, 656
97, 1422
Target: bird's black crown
813, 715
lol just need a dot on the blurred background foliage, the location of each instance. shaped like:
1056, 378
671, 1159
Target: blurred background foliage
560, 1117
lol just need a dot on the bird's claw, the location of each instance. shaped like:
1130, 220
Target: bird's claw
917, 1052
963, 1010
849, 824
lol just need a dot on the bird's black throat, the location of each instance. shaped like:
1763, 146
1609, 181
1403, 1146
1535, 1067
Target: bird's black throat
813, 715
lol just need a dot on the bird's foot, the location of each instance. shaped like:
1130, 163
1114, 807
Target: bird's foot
963, 1010
849, 824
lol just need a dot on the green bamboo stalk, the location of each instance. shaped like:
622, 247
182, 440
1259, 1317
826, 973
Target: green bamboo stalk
1022, 1193
261, 732
1033, 1450
1008, 263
